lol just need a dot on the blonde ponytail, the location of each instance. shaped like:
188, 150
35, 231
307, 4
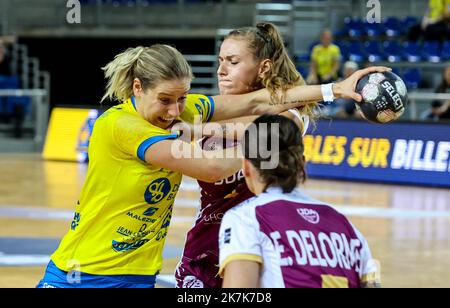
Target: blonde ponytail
148, 64
119, 73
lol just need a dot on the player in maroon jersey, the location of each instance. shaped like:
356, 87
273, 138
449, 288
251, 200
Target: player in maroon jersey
283, 238
250, 59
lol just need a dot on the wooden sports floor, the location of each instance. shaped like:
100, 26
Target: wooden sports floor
408, 228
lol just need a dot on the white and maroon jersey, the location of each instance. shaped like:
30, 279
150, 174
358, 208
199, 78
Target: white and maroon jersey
199, 263
300, 242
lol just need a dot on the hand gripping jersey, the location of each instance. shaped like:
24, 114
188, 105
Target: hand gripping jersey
199, 264
299, 242
125, 206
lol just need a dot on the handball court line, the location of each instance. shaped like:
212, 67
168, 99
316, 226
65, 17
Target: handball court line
45, 213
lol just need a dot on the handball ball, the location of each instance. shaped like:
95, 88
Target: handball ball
384, 97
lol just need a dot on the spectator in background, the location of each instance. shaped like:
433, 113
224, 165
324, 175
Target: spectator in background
325, 60
435, 24
440, 110
5, 62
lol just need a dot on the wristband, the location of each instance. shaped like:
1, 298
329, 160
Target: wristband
327, 93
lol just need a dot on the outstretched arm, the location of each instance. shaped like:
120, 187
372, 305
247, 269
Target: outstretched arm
260, 102
232, 129
189, 159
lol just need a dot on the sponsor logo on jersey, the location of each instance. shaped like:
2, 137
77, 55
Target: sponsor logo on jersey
140, 218
75, 221
151, 211
157, 191
191, 282
230, 180
214, 218
309, 215
124, 246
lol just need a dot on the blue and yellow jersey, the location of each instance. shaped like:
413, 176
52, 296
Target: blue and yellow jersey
125, 206
198, 105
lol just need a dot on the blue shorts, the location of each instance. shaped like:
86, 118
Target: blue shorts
56, 278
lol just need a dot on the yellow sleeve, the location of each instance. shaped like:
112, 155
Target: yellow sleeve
198, 105
134, 135
239, 257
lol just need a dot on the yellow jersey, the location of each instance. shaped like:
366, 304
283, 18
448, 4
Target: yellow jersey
437, 9
125, 206
325, 58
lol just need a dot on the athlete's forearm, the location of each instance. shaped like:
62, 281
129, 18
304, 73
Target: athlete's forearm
234, 129
293, 98
224, 162
261, 101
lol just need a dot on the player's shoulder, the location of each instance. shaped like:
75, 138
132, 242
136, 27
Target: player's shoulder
317, 48
196, 96
199, 99
247, 208
335, 48
245, 211
243, 207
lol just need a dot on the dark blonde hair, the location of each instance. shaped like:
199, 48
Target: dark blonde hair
149, 64
266, 42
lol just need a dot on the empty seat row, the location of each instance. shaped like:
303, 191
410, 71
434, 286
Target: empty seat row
412, 76
11, 104
391, 27
394, 51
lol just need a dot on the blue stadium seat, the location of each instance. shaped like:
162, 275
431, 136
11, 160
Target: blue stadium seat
408, 22
307, 57
412, 78
392, 27
413, 52
340, 33
7, 82
445, 55
356, 52
23, 103
393, 51
8, 105
432, 51
374, 29
374, 51
303, 71
343, 46
397, 71
355, 27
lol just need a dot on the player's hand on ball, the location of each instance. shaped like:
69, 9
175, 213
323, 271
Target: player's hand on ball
347, 88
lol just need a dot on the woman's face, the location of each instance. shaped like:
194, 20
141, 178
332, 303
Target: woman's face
162, 105
238, 69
